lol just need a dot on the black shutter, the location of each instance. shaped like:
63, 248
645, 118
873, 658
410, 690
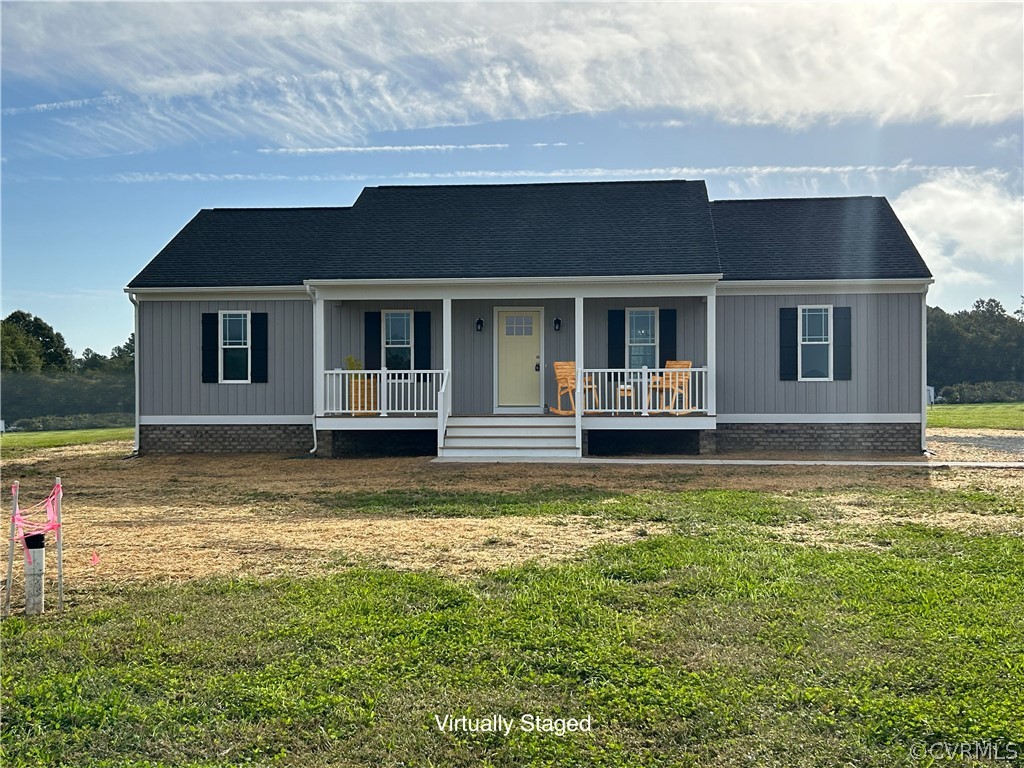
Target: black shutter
260, 344
421, 335
842, 347
667, 342
616, 338
787, 344
211, 348
371, 341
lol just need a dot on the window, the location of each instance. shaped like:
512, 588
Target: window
519, 325
235, 349
398, 340
642, 337
815, 354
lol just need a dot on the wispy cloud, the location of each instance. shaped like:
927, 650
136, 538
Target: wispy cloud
326, 75
670, 123
56, 106
157, 177
1010, 142
543, 144
750, 174
397, 148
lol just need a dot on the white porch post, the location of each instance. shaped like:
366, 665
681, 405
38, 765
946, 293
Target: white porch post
712, 352
924, 370
578, 327
580, 392
318, 354
446, 340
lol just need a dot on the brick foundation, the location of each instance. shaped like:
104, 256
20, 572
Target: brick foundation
728, 438
225, 438
707, 442
858, 438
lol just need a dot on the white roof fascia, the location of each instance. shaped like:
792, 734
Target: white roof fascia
519, 287
791, 287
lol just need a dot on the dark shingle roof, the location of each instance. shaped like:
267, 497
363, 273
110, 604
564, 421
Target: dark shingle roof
831, 238
518, 230
539, 230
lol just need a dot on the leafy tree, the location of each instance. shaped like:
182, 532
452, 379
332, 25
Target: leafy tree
91, 361
57, 356
982, 344
123, 356
19, 352
946, 343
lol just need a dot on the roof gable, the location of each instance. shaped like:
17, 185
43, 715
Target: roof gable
828, 238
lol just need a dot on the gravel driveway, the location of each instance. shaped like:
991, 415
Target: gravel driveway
976, 444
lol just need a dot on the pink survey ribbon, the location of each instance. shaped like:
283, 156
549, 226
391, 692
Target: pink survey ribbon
25, 527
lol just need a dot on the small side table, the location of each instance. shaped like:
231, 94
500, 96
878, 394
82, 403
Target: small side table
625, 394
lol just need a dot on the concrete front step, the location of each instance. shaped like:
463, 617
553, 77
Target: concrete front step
509, 453
511, 421
518, 438
510, 431
502, 441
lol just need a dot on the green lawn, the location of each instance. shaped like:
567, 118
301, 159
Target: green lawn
722, 644
983, 415
20, 443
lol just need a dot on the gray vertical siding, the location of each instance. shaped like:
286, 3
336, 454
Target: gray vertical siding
345, 334
170, 361
473, 353
886, 356
691, 330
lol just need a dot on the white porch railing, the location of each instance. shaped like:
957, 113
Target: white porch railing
381, 393
642, 391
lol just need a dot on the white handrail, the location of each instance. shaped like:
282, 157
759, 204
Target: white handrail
579, 416
445, 399
380, 393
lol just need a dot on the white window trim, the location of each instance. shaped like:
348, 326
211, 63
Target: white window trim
384, 337
657, 334
800, 342
221, 347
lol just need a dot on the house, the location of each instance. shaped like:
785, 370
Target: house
802, 321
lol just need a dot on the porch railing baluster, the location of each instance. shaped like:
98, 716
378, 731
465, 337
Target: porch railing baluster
381, 393
645, 391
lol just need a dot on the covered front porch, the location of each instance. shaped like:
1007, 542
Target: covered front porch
393, 358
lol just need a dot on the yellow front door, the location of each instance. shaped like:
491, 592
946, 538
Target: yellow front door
519, 360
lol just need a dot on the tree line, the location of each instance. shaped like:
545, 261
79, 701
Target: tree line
977, 354
45, 386
974, 355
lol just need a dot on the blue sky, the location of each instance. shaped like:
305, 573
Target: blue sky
121, 121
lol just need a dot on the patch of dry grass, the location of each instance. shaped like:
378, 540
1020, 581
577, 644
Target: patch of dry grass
145, 543
188, 516
854, 520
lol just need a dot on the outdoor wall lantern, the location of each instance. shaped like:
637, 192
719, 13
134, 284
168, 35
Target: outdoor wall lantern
558, 324
479, 324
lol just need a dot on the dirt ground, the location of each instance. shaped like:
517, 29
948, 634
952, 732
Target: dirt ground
174, 518
977, 444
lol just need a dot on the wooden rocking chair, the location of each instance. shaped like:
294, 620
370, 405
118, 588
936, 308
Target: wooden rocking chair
565, 375
671, 385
